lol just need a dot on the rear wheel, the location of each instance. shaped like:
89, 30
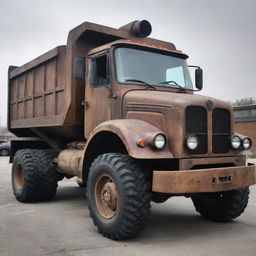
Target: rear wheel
222, 206
119, 194
33, 176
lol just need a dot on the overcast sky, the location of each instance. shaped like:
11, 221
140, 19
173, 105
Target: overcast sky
218, 35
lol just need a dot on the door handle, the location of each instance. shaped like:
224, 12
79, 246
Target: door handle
85, 104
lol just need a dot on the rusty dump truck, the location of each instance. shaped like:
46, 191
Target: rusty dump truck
117, 109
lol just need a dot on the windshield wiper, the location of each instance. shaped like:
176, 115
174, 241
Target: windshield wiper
173, 82
140, 81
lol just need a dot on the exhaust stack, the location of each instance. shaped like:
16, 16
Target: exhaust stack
138, 28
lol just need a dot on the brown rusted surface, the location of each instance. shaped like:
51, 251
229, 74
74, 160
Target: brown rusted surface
37, 91
106, 47
44, 92
106, 196
165, 110
130, 131
203, 180
186, 164
69, 162
18, 176
46, 100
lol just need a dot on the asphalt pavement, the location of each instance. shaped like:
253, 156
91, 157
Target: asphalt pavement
63, 227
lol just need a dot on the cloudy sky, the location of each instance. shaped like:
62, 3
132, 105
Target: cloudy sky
218, 35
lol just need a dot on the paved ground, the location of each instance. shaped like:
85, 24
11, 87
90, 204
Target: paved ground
63, 227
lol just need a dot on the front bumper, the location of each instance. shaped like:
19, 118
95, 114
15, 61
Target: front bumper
203, 180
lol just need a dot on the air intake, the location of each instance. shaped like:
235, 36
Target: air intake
138, 28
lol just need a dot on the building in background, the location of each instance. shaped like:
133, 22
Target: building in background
245, 122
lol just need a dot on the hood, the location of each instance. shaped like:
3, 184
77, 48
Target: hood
172, 100
178, 115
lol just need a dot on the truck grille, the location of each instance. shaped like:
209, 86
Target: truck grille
196, 123
220, 130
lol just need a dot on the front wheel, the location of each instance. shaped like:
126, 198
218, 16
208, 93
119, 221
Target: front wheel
222, 206
119, 195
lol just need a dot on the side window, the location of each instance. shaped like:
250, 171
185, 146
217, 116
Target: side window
176, 74
102, 75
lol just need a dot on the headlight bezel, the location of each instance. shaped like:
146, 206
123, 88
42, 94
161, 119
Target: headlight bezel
250, 143
154, 141
189, 137
232, 142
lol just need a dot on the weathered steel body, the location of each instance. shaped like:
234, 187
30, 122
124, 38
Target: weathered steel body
54, 103
44, 94
203, 180
46, 100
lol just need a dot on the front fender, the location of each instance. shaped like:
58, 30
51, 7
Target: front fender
130, 131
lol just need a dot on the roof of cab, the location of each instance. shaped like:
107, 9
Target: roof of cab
106, 47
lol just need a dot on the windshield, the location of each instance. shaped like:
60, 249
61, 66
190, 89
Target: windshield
153, 68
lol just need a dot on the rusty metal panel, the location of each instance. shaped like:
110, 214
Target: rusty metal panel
44, 92
50, 75
39, 80
34, 91
172, 106
20, 110
28, 108
59, 101
130, 131
13, 111
21, 87
38, 107
153, 118
50, 105
29, 84
189, 163
203, 180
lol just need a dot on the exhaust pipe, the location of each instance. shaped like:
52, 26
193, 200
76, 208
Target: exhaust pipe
138, 28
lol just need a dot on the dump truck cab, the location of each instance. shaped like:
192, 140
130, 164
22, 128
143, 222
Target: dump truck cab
131, 80
115, 67
118, 110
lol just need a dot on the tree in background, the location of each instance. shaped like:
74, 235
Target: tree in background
244, 101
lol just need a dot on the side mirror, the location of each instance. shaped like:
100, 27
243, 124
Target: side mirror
79, 68
93, 73
199, 78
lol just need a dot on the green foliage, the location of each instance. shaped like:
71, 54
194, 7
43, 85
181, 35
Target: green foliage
244, 101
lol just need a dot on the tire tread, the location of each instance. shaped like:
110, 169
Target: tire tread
40, 176
231, 205
136, 184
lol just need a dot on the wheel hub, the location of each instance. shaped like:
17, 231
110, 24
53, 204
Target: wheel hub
106, 196
18, 176
109, 195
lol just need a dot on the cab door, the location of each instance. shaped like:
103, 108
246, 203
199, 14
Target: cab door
97, 101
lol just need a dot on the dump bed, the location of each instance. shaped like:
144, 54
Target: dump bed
37, 91
44, 97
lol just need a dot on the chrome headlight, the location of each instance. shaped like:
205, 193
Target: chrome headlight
235, 142
192, 142
159, 141
247, 143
